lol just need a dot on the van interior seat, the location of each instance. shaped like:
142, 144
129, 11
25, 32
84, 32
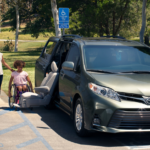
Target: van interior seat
64, 54
45, 90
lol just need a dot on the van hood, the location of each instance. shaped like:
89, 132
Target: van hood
127, 83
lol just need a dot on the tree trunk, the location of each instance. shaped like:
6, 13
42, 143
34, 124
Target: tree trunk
101, 30
55, 16
143, 21
121, 17
17, 28
114, 23
107, 28
96, 3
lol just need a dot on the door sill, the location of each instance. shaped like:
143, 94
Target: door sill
57, 104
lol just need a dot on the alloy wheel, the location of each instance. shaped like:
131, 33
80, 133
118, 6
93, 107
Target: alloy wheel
78, 117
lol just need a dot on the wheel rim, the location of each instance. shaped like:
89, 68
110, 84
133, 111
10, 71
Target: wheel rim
78, 117
12, 99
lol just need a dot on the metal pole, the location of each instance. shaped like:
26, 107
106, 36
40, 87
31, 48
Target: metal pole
63, 31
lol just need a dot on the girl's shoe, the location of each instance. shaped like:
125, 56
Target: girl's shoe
16, 105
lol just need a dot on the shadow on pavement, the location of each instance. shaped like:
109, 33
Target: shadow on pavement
63, 125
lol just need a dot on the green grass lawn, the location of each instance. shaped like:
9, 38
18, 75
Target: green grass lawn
11, 35
6, 32
135, 39
26, 46
27, 52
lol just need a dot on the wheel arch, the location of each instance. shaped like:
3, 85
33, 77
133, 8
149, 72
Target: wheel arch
76, 96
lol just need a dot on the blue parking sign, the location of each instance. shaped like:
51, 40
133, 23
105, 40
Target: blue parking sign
63, 17
65, 25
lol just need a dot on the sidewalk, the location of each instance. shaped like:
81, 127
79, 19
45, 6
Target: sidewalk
3, 96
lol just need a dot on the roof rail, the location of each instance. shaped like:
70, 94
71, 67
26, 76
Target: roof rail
119, 37
70, 35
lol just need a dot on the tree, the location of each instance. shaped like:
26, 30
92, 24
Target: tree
13, 14
143, 21
42, 19
55, 17
87, 17
99, 18
17, 27
15, 4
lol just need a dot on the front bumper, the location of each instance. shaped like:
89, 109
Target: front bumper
113, 130
134, 116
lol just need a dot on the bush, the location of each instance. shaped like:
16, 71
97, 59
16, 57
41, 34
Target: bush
8, 45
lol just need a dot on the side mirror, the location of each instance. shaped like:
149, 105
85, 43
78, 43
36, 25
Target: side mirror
68, 65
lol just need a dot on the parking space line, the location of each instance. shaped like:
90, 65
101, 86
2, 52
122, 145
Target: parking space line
26, 122
13, 128
28, 143
35, 131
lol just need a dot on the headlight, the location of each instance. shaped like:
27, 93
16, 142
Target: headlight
104, 91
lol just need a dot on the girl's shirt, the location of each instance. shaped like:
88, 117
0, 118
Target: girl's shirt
19, 77
1, 68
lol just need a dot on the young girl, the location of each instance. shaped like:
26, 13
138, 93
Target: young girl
19, 78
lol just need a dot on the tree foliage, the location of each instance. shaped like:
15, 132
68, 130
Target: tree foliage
87, 17
105, 17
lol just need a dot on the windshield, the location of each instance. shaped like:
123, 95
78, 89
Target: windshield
116, 58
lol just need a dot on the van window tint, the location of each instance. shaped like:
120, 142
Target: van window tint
49, 48
117, 58
73, 55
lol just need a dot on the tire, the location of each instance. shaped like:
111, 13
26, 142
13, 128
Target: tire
79, 119
11, 100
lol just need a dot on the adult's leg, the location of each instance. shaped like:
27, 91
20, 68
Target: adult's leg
1, 79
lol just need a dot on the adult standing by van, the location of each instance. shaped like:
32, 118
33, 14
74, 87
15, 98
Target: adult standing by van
2, 61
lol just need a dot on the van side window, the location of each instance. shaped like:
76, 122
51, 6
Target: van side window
73, 54
49, 48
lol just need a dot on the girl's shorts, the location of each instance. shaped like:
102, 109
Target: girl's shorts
20, 84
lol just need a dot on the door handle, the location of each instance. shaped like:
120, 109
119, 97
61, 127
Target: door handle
62, 74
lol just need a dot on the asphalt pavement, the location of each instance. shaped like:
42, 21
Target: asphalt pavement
41, 129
